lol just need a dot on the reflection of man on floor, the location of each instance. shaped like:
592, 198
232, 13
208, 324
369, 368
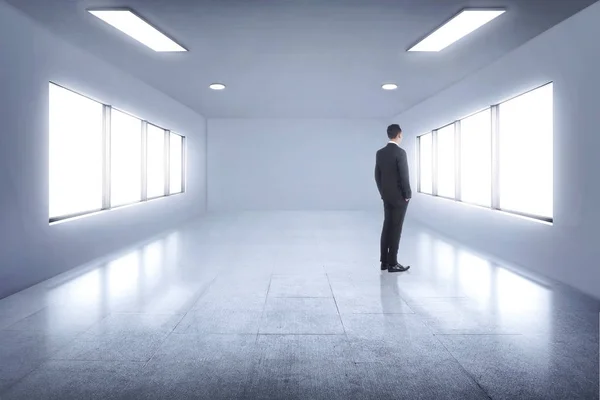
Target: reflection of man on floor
391, 175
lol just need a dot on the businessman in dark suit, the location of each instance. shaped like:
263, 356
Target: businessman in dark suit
391, 175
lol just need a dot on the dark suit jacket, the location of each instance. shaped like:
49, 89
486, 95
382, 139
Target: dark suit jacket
391, 174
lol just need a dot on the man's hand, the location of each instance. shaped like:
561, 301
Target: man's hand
407, 200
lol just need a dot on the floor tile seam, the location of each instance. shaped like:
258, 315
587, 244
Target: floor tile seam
481, 334
336, 304
301, 297
378, 313
124, 359
462, 367
198, 297
42, 363
9, 387
264, 307
302, 334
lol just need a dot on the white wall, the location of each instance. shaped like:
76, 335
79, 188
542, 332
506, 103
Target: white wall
30, 249
285, 164
569, 55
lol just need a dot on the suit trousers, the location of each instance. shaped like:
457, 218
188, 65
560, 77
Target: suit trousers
392, 230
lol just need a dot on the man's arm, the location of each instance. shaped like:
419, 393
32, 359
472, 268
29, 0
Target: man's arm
403, 172
378, 178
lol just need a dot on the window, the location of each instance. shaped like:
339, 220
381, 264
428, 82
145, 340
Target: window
426, 163
156, 161
445, 162
505, 154
83, 148
75, 153
476, 158
125, 159
176, 160
525, 153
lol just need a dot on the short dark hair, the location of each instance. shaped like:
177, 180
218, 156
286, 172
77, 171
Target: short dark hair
393, 130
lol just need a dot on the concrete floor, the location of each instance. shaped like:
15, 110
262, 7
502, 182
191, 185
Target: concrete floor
292, 305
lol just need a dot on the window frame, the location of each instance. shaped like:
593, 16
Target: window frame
165, 166
418, 164
495, 167
143, 140
435, 140
182, 155
106, 161
492, 159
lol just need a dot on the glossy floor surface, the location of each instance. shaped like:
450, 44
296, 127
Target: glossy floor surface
293, 305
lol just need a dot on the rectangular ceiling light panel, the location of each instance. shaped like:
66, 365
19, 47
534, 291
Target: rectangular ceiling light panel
458, 27
131, 24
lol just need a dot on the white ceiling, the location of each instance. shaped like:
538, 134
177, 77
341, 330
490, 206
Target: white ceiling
300, 58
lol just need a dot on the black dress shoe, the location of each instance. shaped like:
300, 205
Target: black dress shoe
398, 268
384, 266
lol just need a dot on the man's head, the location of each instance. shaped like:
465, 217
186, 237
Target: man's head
394, 133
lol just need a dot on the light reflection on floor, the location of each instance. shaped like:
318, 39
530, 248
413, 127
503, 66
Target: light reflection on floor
271, 301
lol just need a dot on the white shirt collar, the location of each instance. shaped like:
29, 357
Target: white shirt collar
391, 141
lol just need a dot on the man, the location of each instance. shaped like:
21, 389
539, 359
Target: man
391, 175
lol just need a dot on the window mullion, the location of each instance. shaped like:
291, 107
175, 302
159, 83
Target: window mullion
495, 157
434, 162
418, 167
457, 161
106, 156
167, 162
183, 163
144, 149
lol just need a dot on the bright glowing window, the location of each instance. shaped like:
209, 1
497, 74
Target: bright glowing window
445, 162
426, 163
525, 148
126, 159
156, 162
175, 159
75, 153
520, 179
83, 148
476, 158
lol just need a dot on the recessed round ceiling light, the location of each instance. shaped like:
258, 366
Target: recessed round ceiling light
217, 86
389, 86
